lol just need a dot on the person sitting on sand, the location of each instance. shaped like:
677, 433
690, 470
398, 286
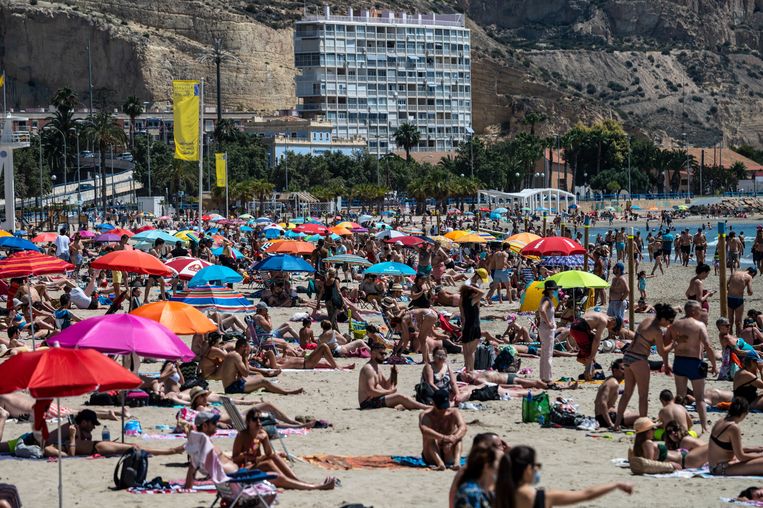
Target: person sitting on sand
252, 450
672, 412
306, 335
726, 456
606, 399
443, 430
676, 438
645, 446
238, 377
514, 331
445, 298
77, 440
747, 380
340, 346
263, 325
199, 446
377, 391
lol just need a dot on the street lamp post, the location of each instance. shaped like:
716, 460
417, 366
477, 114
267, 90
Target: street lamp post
79, 181
39, 139
63, 136
585, 185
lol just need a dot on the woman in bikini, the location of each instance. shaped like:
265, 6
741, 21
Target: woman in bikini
726, 455
747, 382
646, 447
676, 438
252, 449
696, 290
636, 359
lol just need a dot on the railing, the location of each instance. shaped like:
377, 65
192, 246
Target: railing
663, 196
456, 20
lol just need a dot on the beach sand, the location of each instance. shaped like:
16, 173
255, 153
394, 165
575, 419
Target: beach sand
570, 459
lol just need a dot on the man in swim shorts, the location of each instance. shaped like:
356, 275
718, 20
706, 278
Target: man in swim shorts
618, 292
691, 344
739, 282
587, 332
238, 377
442, 430
605, 403
375, 390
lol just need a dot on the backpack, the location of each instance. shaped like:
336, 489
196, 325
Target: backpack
505, 360
109, 398
131, 469
484, 357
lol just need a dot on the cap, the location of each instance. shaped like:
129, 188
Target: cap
262, 306
441, 399
197, 391
550, 284
87, 415
643, 424
482, 274
204, 417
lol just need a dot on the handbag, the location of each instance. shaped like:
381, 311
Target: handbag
535, 408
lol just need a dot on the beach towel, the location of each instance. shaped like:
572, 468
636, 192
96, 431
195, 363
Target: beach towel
366, 461
221, 433
174, 487
702, 472
731, 500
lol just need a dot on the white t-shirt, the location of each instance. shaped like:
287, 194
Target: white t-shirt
62, 245
79, 298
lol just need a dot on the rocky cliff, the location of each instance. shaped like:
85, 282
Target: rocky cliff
664, 67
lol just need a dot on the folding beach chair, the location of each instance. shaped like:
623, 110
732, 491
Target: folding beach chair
268, 423
257, 341
241, 490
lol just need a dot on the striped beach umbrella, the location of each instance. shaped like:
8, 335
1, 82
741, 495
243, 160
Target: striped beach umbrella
214, 297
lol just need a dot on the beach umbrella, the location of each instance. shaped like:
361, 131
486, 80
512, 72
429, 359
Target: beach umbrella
156, 234
472, 238
541, 209
141, 229
86, 233
187, 235
246, 229
529, 300
578, 279
469, 214
216, 298
500, 210
55, 373
408, 241
263, 219
236, 253
133, 261
13, 243
382, 225
446, 242
107, 238
186, 267
271, 233
246, 216
520, 240
389, 233
104, 227
455, 235
312, 229
341, 231
635, 207
215, 274
4, 233
283, 263
348, 259
364, 218
390, 268
566, 261
45, 237
122, 231
293, 235
180, 318
349, 225
553, 246
291, 247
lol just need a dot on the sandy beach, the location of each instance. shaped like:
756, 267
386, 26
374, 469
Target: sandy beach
570, 459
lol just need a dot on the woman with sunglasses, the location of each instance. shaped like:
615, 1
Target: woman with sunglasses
519, 472
252, 449
636, 359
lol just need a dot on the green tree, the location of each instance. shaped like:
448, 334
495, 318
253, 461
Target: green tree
407, 136
64, 99
262, 190
26, 173
532, 119
103, 131
133, 108
227, 132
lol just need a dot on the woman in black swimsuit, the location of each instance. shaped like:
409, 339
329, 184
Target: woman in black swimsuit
726, 455
518, 472
747, 382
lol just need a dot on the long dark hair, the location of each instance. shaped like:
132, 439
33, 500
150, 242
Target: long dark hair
475, 464
638, 443
510, 471
739, 407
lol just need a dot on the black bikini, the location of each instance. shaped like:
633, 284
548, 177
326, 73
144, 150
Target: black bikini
747, 391
723, 444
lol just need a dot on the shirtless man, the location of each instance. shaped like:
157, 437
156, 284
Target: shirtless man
672, 412
605, 403
700, 246
375, 390
587, 332
446, 298
620, 244
501, 279
618, 292
684, 246
739, 281
237, 377
442, 430
510, 381
733, 251
688, 338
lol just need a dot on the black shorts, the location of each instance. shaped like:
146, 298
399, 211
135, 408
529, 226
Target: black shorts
374, 403
685, 249
602, 423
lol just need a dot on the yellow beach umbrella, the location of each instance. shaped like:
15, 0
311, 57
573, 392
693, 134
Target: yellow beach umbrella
455, 235
340, 231
520, 240
471, 238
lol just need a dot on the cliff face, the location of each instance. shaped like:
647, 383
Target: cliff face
664, 67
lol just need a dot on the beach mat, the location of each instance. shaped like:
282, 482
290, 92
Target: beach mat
702, 472
177, 487
737, 502
367, 461
221, 433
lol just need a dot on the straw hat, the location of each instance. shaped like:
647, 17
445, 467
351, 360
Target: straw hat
643, 424
196, 392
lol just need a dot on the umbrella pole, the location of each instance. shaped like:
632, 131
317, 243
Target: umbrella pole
31, 313
60, 458
122, 393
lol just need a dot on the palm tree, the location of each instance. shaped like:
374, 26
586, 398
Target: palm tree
64, 99
132, 108
262, 190
407, 136
226, 131
532, 118
104, 131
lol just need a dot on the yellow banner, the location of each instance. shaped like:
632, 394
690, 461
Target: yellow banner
221, 168
2, 80
185, 99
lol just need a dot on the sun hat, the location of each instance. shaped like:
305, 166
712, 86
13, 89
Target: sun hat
643, 424
396, 287
482, 274
196, 392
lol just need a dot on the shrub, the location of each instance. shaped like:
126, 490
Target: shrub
590, 89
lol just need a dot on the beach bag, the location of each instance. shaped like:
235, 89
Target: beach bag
27, 451
425, 394
136, 398
506, 361
104, 399
640, 465
564, 414
535, 408
484, 357
486, 393
131, 469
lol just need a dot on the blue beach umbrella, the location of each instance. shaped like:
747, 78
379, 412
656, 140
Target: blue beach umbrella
154, 234
215, 274
283, 263
14, 243
390, 268
219, 250
105, 226
246, 229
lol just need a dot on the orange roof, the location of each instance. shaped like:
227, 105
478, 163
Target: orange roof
722, 156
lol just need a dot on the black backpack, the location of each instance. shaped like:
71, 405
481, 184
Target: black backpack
131, 469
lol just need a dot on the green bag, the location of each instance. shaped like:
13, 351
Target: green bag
536, 408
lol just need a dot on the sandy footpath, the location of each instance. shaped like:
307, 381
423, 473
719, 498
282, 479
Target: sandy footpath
569, 458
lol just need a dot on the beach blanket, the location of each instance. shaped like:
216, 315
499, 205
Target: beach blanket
176, 487
731, 500
8, 456
366, 461
702, 472
221, 433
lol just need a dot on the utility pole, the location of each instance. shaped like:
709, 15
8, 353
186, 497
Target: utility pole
218, 58
90, 77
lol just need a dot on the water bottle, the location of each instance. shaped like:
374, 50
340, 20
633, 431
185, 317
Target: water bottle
105, 434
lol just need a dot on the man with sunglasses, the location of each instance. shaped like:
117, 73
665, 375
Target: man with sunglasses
377, 391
